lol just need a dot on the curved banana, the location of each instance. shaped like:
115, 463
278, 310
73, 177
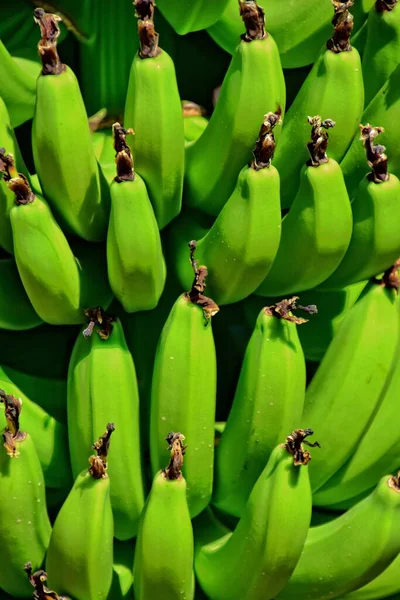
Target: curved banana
382, 47
194, 121
257, 559
345, 392
253, 86
16, 311
17, 89
384, 586
24, 524
102, 385
375, 241
334, 88
191, 15
349, 551
268, 402
73, 185
163, 563
79, 559
317, 230
241, 245
135, 263
185, 370
153, 110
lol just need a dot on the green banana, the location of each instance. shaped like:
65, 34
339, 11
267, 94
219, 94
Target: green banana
191, 15
153, 109
122, 571
16, 311
163, 563
253, 85
375, 242
194, 121
184, 370
384, 586
102, 385
79, 559
268, 402
102, 142
37, 580
74, 185
17, 89
317, 230
334, 88
135, 263
349, 551
352, 376
24, 525
382, 48
241, 245
257, 559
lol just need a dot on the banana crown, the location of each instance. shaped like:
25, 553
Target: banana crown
38, 579
12, 434
177, 449
98, 462
196, 293
294, 445
284, 310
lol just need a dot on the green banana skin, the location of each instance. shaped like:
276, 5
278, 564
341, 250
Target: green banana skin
95, 289
208, 528
103, 147
153, 110
191, 15
24, 527
350, 551
349, 502
257, 559
163, 563
79, 559
350, 379
315, 233
102, 386
386, 585
16, 311
194, 121
381, 59
333, 306
122, 571
185, 370
17, 89
268, 403
213, 162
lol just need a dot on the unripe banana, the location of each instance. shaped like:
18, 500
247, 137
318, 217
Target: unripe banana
191, 15
121, 587
102, 385
79, 559
184, 371
16, 310
17, 89
349, 551
163, 563
253, 86
135, 263
268, 401
317, 230
153, 110
24, 524
64, 159
257, 559
386, 585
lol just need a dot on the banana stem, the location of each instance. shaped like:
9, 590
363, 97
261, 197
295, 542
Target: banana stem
376, 156
47, 46
177, 449
319, 140
254, 20
98, 464
294, 445
37, 579
264, 149
98, 318
123, 157
391, 277
12, 433
385, 5
343, 22
195, 294
284, 309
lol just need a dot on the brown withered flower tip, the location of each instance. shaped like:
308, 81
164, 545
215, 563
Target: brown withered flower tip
294, 445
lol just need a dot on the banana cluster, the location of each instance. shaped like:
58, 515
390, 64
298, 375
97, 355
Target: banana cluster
200, 319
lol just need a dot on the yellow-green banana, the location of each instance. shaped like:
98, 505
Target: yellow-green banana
349, 551
102, 386
135, 262
191, 15
268, 403
62, 150
16, 310
257, 559
79, 559
153, 110
17, 89
317, 230
24, 524
386, 585
333, 89
163, 563
185, 370
253, 86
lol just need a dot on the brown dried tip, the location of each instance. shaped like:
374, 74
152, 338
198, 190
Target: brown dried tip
191, 109
12, 434
284, 309
385, 5
391, 277
394, 482
148, 40
343, 22
50, 32
294, 445
177, 449
254, 20
37, 580
123, 157
98, 464
144, 9
102, 120
195, 294
376, 157
7, 166
99, 319
319, 140
264, 149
